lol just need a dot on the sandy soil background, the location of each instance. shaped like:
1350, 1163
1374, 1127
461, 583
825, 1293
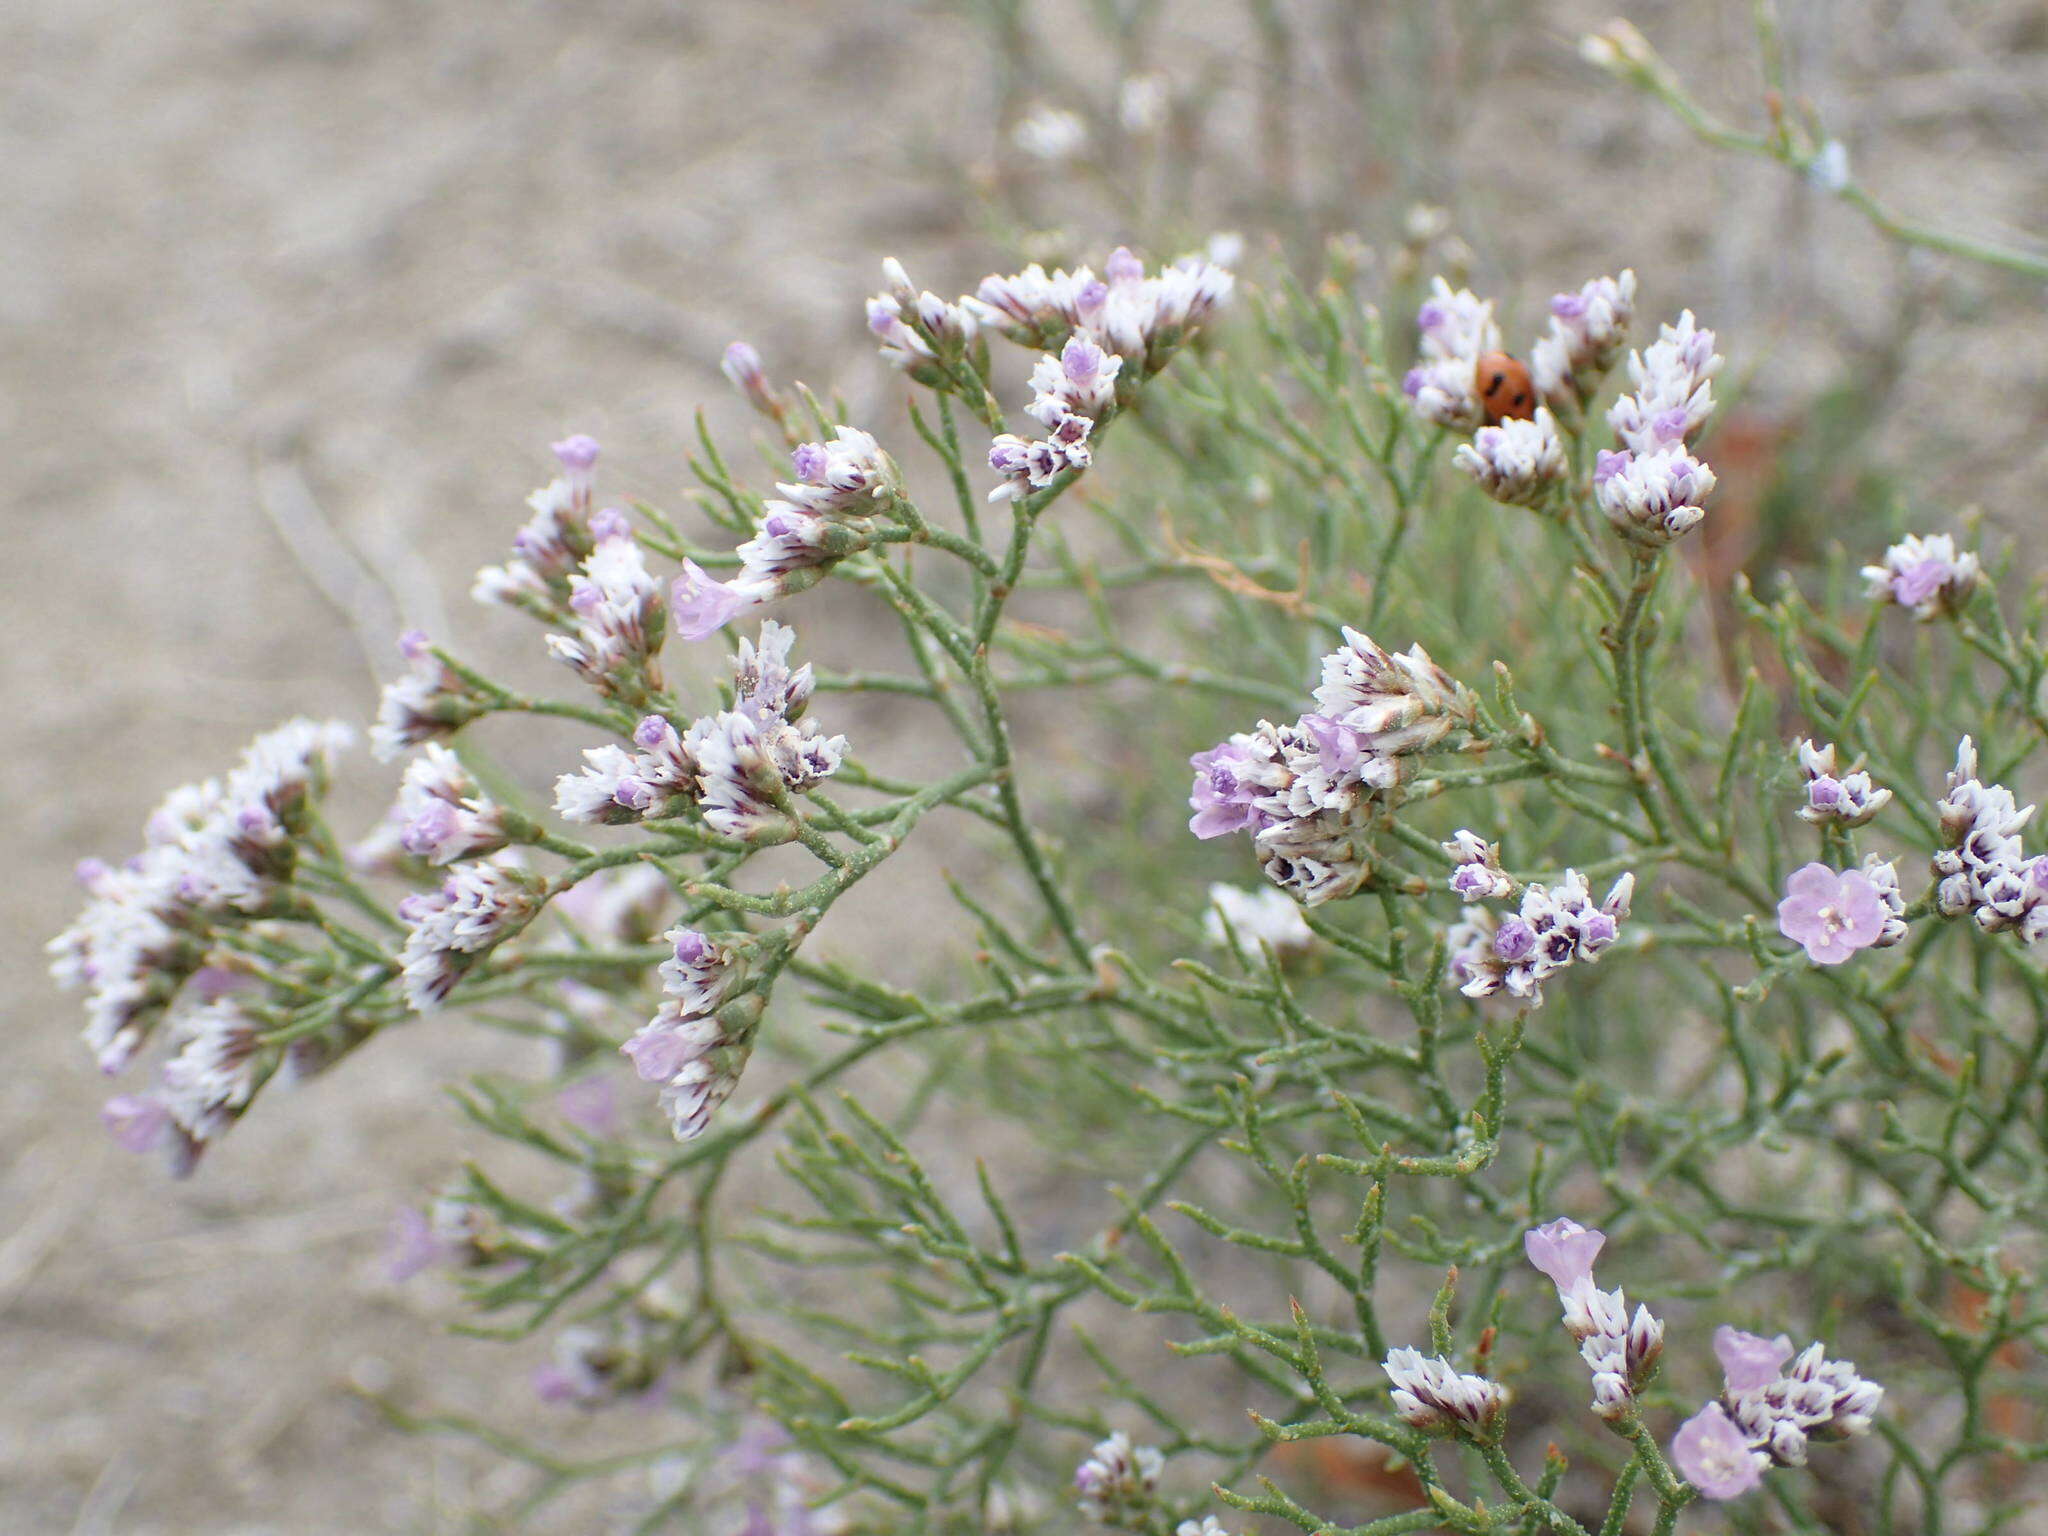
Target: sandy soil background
280, 267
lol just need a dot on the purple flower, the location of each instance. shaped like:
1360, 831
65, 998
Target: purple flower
577, 453
1831, 913
135, 1120
590, 1105
1223, 792
1749, 1360
810, 462
1714, 1456
1564, 1251
699, 606
659, 1054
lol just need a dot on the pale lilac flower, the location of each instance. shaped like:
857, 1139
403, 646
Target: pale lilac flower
1118, 1479
1652, 497
1714, 1456
1587, 331
1749, 1360
1032, 464
413, 1246
700, 606
1247, 921
686, 1047
1431, 1394
1518, 461
1564, 1251
1831, 913
577, 452
616, 906
136, 1121
846, 475
1833, 796
1926, 575
1228, 783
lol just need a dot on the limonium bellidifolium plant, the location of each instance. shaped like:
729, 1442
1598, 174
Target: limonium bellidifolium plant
1582, 1001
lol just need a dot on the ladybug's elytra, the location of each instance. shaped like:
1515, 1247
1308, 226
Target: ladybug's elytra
1504, 386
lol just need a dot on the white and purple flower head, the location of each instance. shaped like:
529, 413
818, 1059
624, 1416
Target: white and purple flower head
1832, 913
1925, 575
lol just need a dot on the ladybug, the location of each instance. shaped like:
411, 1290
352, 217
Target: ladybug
1504, 386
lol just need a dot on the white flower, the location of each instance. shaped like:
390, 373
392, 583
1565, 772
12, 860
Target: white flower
1050, 133
1430, 1393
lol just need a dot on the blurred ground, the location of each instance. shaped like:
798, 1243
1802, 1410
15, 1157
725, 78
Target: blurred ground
284, 263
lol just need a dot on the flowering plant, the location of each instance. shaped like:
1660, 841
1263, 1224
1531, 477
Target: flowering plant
1789, 1047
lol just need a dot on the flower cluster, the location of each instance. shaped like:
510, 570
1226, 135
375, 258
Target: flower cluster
735, 768
1305, 792
216, 855
1926, 575
1767, 1414
1652, 489
445, 816
1555, 925
686, 1047
1247, 921
1118, 1479
482, 903
1621, 1351
554, 542
1834, 797
1984, 870
1456, 328
1432, 1394
1122, 327
619, 613
427, 701
825, 514
918, 330
1586, 333
1516, 461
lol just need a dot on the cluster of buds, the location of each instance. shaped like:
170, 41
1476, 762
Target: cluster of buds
1925, 575
1768, 1414
1621, 1351
687, 1047
1431, 1394
426, 702
1516, 461
554, 542
1835, 798
216, 855
619, 612
445, 815
1118, 1480
735, 768
1555, 926
919, 332
1143, 319
1652, 489
825, 514
1305, 792
1455, 329
1984, 870
1586, 333
1070, 394
482, 903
